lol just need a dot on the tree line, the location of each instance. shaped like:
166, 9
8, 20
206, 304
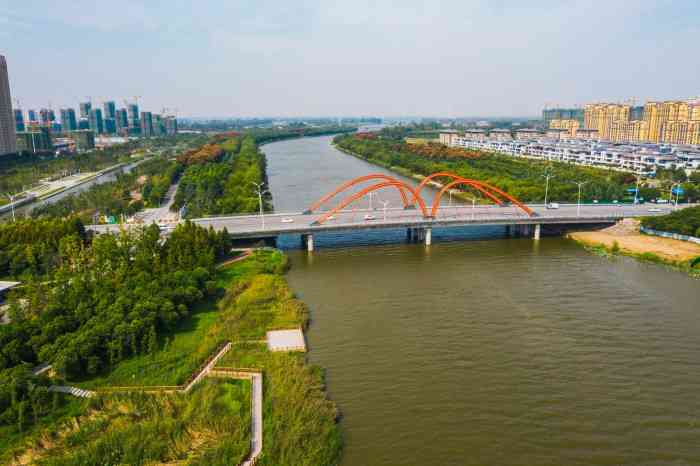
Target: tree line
524, 179
221, 178
144, 186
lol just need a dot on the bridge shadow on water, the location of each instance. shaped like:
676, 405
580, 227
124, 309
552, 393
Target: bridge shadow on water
390, 236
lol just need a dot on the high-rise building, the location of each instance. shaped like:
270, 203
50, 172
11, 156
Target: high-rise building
19, 120
601, 116
133, 110
146, 124
31, 115
628, 131
36, 140
44, 117
85, 108
96, 123
68, 120
8, 140
110, 110
122, 122
571, 126
550, 114
158, 126
84, 139
637, 113
170, 123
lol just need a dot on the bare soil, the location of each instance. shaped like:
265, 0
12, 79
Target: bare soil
630, 240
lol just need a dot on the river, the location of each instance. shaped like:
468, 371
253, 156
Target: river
491, 351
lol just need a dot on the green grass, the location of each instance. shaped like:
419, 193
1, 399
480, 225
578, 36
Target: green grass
210, 426
13, 442
190, 343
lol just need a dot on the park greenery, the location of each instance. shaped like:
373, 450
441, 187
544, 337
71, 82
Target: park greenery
30, 248
683, 222
23, 171
221, 178
144, 186
210, 425
522, 178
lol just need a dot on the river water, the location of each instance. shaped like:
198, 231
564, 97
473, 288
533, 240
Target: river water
491, 351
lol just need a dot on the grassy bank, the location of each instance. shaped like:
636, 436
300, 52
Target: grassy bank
625, 239
210, 425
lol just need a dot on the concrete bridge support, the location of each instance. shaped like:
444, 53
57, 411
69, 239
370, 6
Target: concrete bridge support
416, 235
538, 229
307, 241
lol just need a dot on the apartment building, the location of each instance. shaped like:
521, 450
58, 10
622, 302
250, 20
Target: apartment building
637, 158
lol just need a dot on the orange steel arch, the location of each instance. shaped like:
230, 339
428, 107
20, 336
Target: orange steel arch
481, 187
352, 198
401, 187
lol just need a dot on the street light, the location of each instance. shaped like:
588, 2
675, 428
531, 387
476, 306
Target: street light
370, 200
670, 194
546, 189
259, 189
578, 206
385, 203
12, 204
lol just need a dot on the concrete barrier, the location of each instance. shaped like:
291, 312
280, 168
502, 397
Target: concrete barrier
666, 234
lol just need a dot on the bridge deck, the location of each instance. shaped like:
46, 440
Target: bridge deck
251, 226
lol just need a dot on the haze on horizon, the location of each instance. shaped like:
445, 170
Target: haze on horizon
260, 58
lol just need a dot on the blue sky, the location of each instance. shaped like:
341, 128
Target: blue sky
360, 57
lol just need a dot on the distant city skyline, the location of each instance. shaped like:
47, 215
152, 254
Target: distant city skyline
263, 58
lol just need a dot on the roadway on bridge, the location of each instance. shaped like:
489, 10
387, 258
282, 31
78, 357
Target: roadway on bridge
252, 225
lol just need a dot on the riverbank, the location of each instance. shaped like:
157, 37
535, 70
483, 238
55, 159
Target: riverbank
299, 422
408, 174
625, 238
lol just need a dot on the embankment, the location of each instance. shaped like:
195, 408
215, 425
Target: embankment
625, 238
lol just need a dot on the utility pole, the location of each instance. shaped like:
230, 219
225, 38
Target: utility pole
578, 206
259, 190
385, 203
546, 188
12, 204
636, 192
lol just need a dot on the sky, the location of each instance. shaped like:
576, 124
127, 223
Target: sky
230, 58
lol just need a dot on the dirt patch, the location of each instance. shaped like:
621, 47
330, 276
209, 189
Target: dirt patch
630, 240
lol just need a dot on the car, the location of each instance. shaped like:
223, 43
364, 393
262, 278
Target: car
287, 220
553, 205
655, 209
370, 217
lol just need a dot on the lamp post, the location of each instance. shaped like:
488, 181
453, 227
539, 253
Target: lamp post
546, 188
578, 206
12, 204
670, 195
259, 189
385, 203
636, 191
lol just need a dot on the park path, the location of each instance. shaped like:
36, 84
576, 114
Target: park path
207, 369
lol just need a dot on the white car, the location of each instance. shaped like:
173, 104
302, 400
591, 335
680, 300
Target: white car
655, 209
287, 220
370, 217
553, 205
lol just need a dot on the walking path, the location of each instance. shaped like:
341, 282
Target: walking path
207, 369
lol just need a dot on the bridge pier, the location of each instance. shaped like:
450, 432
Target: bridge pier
307, 241
428, 236
538, 229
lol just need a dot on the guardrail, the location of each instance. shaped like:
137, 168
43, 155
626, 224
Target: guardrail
666, 234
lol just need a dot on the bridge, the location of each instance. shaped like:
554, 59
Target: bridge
416, 216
